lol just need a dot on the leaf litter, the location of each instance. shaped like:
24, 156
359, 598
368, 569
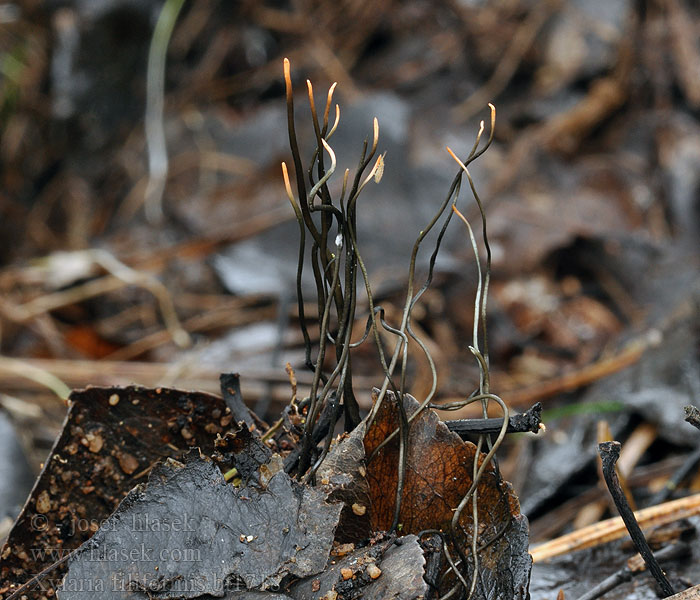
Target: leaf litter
264, 528
399, 574
188, 533
438, 474
110, 440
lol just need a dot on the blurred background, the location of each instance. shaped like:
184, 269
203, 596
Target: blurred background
110, 275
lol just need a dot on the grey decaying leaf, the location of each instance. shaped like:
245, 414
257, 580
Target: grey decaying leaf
343, 473
401, 563
187, 533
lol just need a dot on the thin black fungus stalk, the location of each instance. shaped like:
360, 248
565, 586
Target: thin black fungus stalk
401, 351
410, 294
336, 299
609, 453
412, 297
484, 394
317, 401
411, 300
472, 491
334, 261
294, 147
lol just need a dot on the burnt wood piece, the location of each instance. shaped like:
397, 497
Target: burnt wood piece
692, 415
530, 420
609, 453
231, 392
328, 418
432, 550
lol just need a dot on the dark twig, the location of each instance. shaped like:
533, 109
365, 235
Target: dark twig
530, 420
692, 416
324, 426
231, 392
671, 552
432, 548
609, 453
689, 466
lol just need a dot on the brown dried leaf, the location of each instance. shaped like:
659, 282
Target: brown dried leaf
438, 474
110, 440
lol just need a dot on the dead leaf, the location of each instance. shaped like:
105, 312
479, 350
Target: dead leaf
387, 570
110, 438
343, 473
188, 533
438, 474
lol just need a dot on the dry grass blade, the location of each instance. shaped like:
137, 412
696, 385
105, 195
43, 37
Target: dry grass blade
155, 132
521, 42
614, 529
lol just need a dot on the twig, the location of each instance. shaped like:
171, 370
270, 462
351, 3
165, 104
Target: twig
613, 529
231, 392
102, 372
530, 420
689, 466
121, 275
683, 45
671, 552
692, 416
585, 376
156, 287
512, 57
43, 377
432, 550
206, 321
196, 249
609, 453
41, 575
556, 519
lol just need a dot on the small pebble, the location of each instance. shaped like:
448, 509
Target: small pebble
43, 502
373, 571
359, 509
